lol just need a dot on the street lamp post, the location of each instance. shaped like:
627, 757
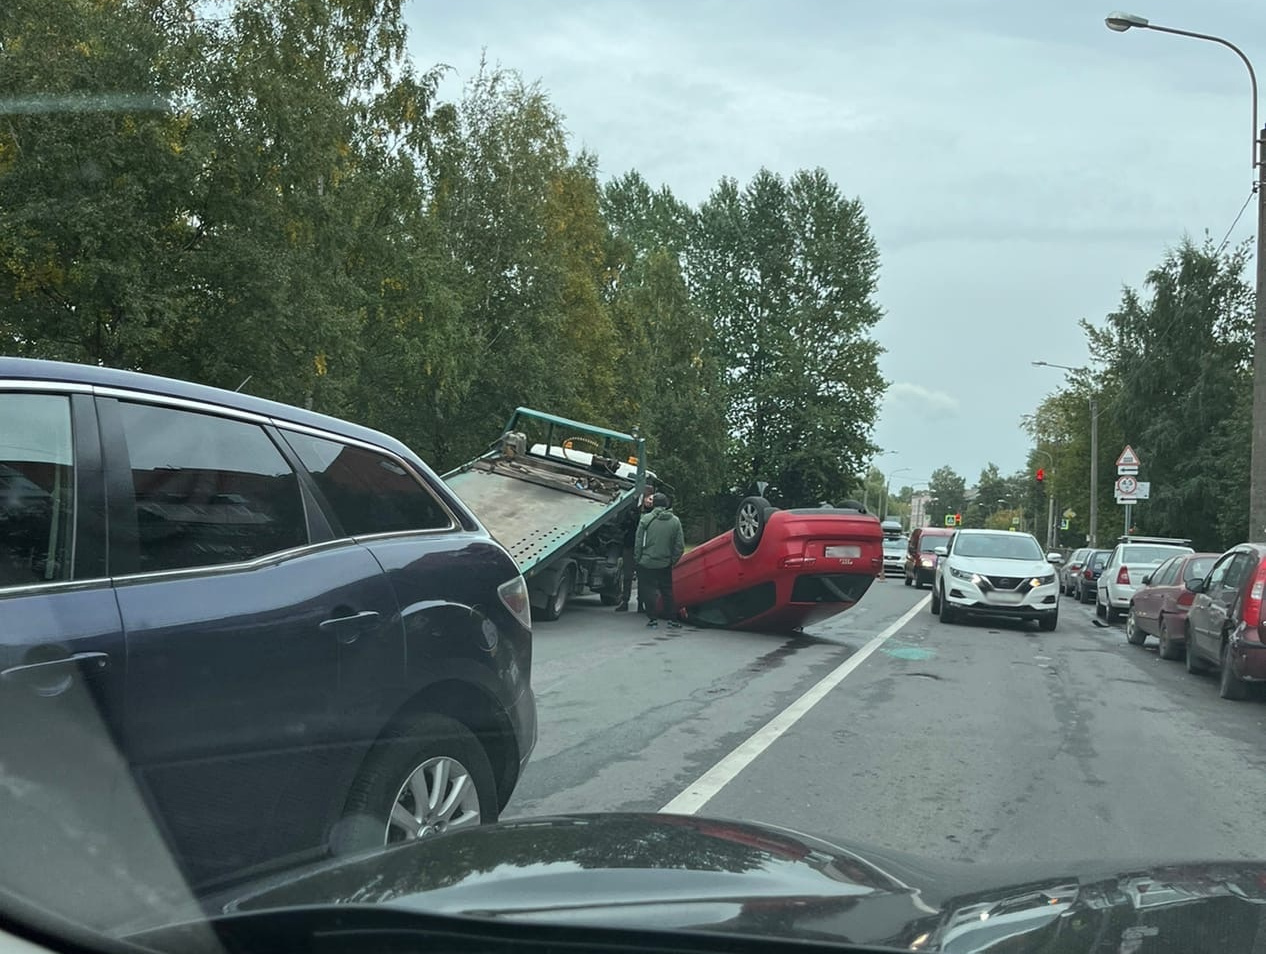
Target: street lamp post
888, 489
866, 479
1120, 23
1094, 454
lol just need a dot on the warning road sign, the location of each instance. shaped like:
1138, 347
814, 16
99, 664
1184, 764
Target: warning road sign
1128, 462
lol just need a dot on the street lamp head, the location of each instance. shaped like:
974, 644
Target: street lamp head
1120, 22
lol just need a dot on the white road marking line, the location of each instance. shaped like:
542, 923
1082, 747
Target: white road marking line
705, 788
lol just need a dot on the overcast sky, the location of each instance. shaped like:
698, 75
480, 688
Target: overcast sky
1018, 161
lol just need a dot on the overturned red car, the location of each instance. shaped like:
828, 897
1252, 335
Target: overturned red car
779, 570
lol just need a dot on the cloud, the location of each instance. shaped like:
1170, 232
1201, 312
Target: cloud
932, 404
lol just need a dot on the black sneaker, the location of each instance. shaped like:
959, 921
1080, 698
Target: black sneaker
652, 623
673, 624
622, 608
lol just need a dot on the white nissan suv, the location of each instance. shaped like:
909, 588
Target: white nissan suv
996, 573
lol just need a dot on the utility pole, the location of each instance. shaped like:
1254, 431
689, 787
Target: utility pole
1257, 461
1094, 473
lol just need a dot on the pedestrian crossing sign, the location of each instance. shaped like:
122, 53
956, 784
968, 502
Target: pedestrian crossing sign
1063, 524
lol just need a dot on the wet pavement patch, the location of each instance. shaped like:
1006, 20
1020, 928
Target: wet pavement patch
913, 653
774, 658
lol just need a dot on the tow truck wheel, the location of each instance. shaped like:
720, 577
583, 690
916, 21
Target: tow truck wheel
558, 599
615, 589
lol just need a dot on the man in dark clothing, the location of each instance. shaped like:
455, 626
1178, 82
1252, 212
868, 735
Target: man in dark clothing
631, 520
660, 544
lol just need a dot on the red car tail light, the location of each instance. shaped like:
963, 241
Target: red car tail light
1253, 605
1088, 574
1185, 597
1123, 575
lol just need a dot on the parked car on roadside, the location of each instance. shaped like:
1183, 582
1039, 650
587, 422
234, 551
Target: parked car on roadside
1132, 559
920, 562
1085, 583
999, 573
1159, 607
300, 638
1072, 566
1226, 627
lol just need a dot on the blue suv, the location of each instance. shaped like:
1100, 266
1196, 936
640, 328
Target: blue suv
280, 631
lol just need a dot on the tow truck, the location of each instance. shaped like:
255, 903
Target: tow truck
554, 491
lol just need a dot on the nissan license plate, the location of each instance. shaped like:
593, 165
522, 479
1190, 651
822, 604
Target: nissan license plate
843, 552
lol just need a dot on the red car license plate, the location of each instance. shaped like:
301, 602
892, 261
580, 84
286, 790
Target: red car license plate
840, 552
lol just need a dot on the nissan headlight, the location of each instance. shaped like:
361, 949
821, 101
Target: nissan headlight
1042, 580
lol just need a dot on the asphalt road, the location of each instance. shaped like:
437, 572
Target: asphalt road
978, 741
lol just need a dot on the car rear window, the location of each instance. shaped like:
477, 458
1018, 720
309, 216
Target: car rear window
1199, 568
207, 490
738, 607
369, 492
36, 489
830, 587
929, 543
1140, 554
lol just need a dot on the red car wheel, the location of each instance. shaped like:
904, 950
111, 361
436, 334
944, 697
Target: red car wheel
749, 524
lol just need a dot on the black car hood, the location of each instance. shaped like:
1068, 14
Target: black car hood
688, 873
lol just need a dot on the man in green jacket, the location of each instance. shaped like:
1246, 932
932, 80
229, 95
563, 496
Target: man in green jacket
659, 545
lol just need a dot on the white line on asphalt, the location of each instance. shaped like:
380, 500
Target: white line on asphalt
716, 778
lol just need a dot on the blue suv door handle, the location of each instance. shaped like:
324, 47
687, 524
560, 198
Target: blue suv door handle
49, 678
348, 628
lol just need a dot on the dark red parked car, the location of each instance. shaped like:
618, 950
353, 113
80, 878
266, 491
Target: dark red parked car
1225, 625
780, 570
1159, 607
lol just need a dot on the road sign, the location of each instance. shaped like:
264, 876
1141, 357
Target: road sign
1127, 485
949, 520
1140, 490
1063, 524
1070, 513
1128, 462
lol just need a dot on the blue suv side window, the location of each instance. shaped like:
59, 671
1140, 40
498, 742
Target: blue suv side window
36, 489
368, 492
207, 490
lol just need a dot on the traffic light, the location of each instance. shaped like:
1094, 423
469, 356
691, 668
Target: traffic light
958, 519
1041, 475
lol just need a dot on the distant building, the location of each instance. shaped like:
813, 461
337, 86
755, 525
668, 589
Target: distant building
920, 507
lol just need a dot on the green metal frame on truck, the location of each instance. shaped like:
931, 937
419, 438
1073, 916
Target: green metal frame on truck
541, 517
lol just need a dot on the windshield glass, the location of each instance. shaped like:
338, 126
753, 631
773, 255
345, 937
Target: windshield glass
1140, 554
998, 546
485, 461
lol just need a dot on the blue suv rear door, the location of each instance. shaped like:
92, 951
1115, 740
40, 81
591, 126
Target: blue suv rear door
244, 617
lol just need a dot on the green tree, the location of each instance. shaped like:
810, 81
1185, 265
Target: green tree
1173, 380
95, 173
1183, 355
520, 219
671, 381
785, 270
949, 491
